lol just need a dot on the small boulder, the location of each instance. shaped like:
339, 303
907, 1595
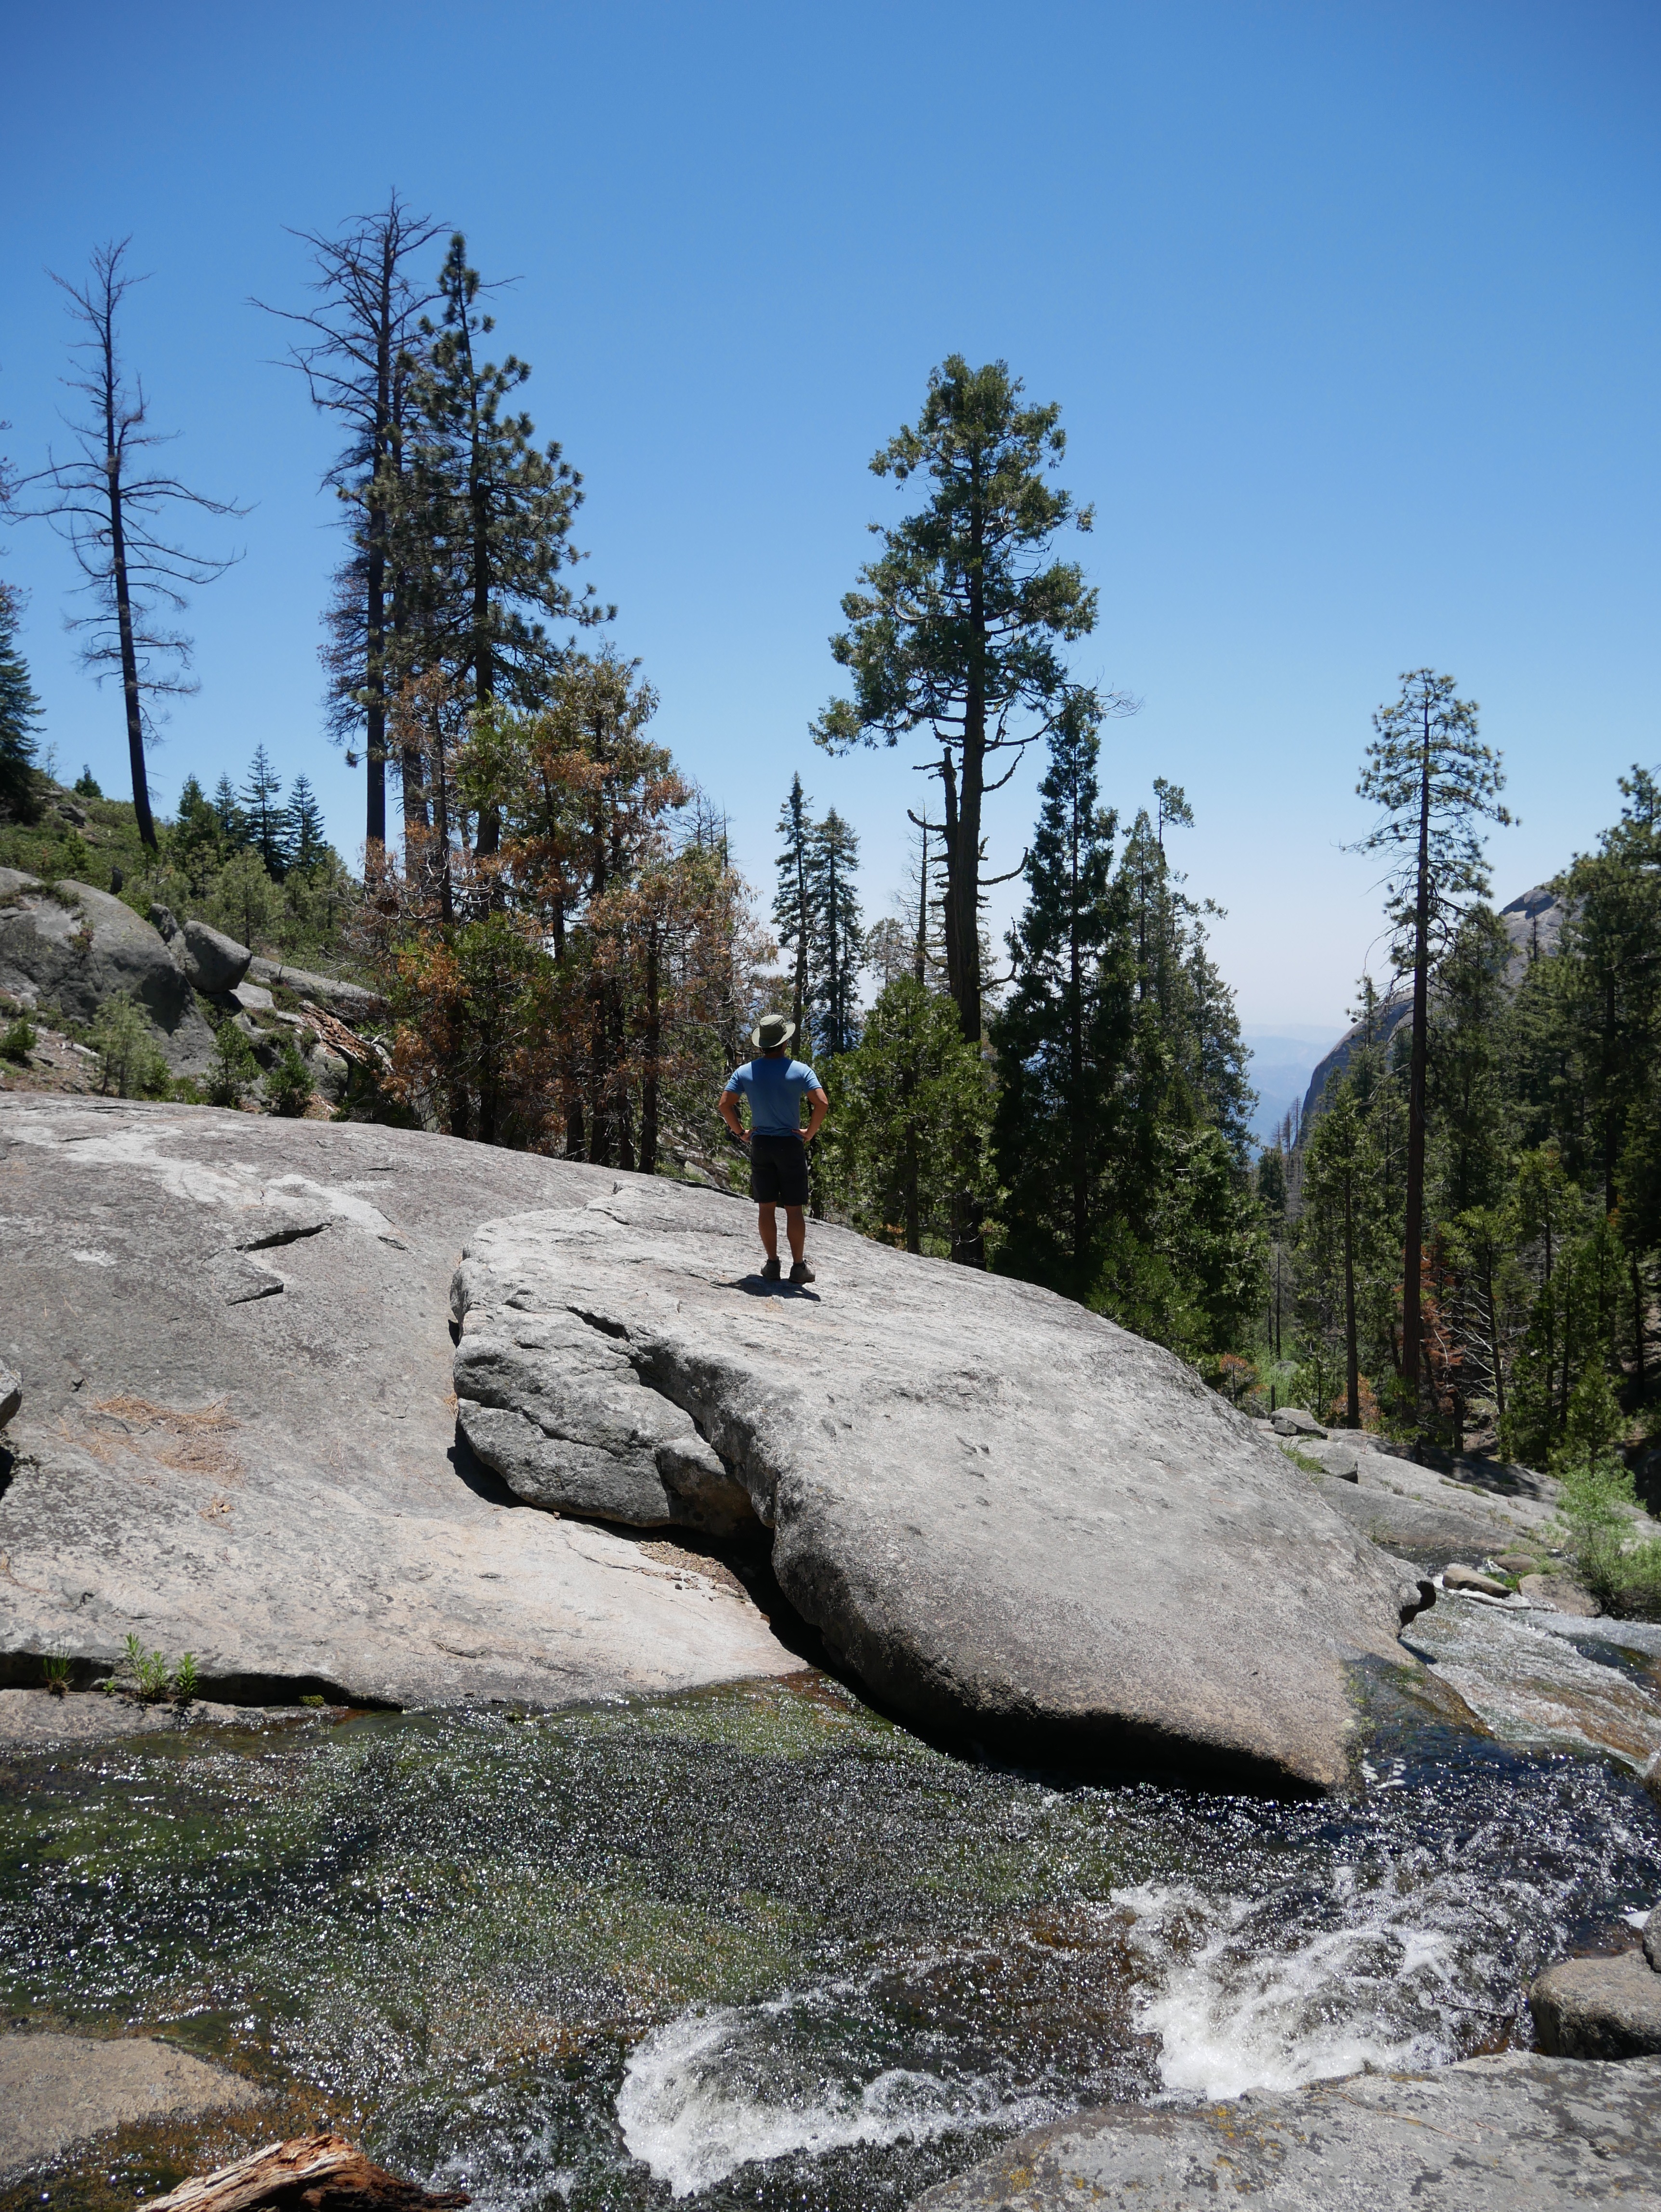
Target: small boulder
1517, 1563
1652, 1938
1598, 2008
1295, 1421
164, 922
11, 1393
215, 962
1342, 1460
1458, 1577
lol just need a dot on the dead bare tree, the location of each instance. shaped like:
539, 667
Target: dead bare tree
109, 507
355, 352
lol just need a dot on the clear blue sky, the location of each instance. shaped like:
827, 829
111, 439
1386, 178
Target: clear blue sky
1352, 310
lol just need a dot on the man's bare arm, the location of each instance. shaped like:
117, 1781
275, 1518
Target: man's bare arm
729, 1113
821, 1106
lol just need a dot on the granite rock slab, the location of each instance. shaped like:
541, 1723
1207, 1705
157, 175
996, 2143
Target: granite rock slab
238, 1435
1013, 1523
1519, 2133
59, 2090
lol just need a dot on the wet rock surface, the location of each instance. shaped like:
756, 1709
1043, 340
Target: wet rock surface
238, 1437
1489, 2136
1599, 2008
58, 2090
1015, 1522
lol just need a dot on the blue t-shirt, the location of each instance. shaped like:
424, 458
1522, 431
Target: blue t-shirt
775, 1089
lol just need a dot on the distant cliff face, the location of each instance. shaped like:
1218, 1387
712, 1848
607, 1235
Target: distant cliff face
1533, 923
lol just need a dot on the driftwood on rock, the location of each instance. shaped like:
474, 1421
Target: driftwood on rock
323, 2173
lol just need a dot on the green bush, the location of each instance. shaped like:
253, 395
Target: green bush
129, 1064
19, 1040
289, 1085
1618, 1562
235, 1071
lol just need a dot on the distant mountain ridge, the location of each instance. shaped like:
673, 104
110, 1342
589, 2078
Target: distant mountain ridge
1534, 924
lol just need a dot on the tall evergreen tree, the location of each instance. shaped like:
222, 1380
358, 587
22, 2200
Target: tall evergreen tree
490, 511
109, 506
227, 809
1434, 780
197, 844
261, 801
792, 908
305, 842
837, 939
355, 352
1064, 1038
910, 1109
954, 631
20, 712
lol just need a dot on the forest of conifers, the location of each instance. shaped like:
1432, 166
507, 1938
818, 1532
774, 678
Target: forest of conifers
1461, 1241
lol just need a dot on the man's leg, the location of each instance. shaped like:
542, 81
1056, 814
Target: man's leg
795, 1228
767, 1223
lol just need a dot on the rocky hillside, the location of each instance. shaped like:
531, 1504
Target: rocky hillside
1533, 923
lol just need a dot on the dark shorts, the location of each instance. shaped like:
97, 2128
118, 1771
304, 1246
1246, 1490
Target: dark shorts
778, 1170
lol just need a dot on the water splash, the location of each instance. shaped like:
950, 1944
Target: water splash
714, 2090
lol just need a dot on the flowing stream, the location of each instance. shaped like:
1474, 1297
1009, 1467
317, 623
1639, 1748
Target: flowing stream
759, 1946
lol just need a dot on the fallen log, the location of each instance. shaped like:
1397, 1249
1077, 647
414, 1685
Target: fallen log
319, 2173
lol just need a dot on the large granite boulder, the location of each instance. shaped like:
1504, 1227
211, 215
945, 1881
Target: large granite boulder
216, 964
238, 1437
72, 947
1514, 2134
1014, 1522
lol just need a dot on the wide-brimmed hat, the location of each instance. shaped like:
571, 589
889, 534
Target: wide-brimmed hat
772, 1031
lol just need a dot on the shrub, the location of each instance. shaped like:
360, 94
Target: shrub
289, 1085
19, 1041
129, 1063
235, 1070
1619, 1563
57, 1673
145, 1674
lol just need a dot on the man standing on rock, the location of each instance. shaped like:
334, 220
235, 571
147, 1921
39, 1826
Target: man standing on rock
775, 1085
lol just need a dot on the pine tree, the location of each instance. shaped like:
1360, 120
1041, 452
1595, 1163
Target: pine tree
227, 809
304, 840
489, 511
910, 1113
1434, 780
791, 907
261, 796
109, 508
1064, 1038
834, 922
20, 711
953, 629
355, 352
197, 842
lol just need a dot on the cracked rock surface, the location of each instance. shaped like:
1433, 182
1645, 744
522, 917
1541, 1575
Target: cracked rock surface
1016, 1523
237, 1436
1510, 2134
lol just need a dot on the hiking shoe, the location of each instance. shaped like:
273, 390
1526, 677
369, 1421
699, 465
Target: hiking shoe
770, 1273
801, 1272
